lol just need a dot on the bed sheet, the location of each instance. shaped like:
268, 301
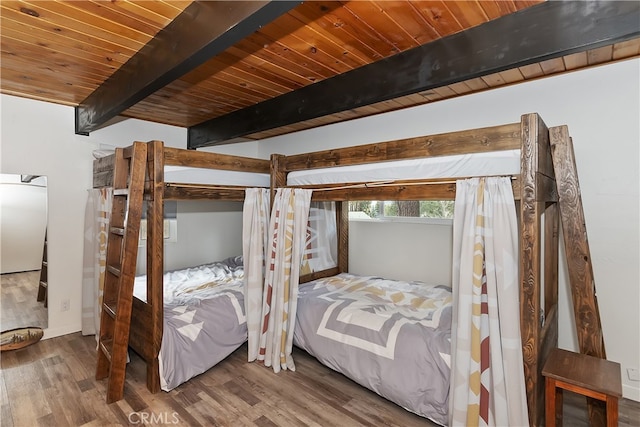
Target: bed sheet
392, 337
204, 319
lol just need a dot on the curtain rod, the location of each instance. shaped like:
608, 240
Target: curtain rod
211, 186
392, 183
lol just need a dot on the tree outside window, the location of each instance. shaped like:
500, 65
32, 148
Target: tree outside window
442, 209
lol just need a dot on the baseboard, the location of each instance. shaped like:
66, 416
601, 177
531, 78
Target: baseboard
632, 393
56, 332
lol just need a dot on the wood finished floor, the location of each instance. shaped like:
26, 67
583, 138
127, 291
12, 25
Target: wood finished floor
51, 383
18, 305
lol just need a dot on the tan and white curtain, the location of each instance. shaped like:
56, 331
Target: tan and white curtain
487, 377
286, 242
96, 224
321, 246
255, 226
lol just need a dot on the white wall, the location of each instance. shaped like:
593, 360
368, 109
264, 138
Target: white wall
207, 231
123, 132
23, 222
212, 231
601, 107
402, 250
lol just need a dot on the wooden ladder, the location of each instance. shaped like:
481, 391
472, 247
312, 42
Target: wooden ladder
576, 245
122, 251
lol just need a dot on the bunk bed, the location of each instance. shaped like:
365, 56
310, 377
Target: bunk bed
160, 298
522, 151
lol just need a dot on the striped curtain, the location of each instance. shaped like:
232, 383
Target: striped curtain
487, 376
255, 225
96, 224
287, 236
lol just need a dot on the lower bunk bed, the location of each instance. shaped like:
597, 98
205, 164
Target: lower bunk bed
392, 337
183, 322
203, 318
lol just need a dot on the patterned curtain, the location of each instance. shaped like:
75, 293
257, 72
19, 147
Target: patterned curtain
487, 376
255, 225
96, 224
287, 236
321, 247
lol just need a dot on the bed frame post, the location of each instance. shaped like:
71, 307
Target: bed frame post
342, 225
155, 250
538, 187
278, 174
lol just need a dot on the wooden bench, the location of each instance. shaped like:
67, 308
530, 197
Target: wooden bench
583, 374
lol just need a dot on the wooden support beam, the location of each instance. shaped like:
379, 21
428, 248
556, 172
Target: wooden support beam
203, 30
342, 224
545, 31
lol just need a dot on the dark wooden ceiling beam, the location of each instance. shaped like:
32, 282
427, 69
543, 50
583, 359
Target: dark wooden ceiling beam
200, 32
549, 30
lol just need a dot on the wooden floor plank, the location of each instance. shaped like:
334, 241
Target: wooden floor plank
6, 417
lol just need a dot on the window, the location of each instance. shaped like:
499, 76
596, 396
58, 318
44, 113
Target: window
439, 209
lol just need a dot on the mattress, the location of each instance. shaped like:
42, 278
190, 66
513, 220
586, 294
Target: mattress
204, 319
457, 166
392, 337
181, 174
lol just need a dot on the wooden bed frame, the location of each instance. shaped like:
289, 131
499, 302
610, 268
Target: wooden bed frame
147, 317
534, 188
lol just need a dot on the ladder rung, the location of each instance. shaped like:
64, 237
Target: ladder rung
111, 311
44, 263
43, 284
117, 230
104, 344
121, 192
113, 270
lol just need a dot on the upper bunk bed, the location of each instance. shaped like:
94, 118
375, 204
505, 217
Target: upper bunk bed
404, 170
179, 174
192, 175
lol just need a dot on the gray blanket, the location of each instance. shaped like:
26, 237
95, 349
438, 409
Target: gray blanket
204, 318
198, 336
389, 336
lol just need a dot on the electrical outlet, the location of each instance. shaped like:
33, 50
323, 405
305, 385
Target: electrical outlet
167, 229
633, 374
64, 305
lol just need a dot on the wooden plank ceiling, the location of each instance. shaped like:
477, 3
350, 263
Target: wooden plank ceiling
63, 51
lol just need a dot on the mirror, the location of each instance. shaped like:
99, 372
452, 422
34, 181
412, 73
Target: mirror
23, 251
